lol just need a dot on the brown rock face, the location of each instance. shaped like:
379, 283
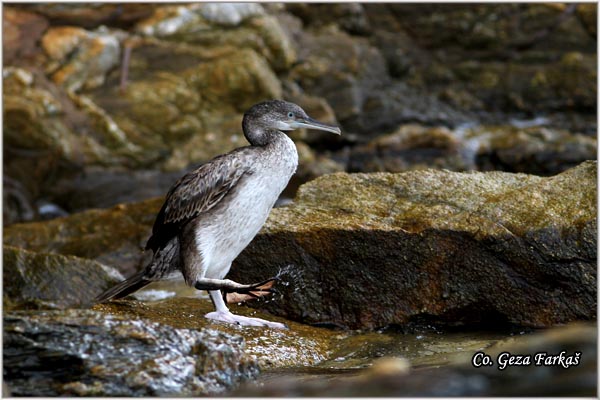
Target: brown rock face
20, 32
368, 250
43, 280
113, 236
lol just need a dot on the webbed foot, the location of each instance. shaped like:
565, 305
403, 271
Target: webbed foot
252, 291
226, 316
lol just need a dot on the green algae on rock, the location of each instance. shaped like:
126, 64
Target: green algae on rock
47, 281
89, 353
368, 250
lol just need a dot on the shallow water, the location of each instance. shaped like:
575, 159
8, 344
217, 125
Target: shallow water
304, 349
306, 360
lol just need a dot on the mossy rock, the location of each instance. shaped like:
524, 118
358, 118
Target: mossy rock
369, 250
50, 281
114, 236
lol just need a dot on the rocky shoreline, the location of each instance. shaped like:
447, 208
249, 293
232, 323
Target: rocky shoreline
421, 250
456, 215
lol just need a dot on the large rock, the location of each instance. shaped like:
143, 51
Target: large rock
48, 137
411, 147
35, 123
217, 25
351, 75
368, 250
43, 280
163, 104
534, 150
88, 353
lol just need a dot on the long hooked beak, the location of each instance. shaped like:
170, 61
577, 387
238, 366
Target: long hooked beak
314, 124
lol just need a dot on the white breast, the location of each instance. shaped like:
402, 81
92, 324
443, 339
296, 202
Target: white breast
223, 235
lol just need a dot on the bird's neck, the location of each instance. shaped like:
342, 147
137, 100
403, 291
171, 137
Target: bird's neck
261, 137
280, 154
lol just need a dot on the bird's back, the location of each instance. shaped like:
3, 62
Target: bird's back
196, 193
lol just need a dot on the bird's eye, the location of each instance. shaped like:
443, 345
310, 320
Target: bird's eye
290, 115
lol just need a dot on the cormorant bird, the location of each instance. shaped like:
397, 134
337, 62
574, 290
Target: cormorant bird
212, 213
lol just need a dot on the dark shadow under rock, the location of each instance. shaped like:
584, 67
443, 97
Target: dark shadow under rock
102, 188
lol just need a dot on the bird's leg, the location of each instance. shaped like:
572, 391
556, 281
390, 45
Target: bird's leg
229, 286
223, 314
259, 290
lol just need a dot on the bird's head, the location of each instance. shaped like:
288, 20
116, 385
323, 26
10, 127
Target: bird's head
278, 115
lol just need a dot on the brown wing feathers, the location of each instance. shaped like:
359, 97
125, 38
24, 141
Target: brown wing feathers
193, 194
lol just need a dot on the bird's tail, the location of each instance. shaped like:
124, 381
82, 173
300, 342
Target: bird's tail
128, 286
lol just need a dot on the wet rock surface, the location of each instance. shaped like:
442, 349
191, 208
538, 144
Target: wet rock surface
300, 345
48, 281
399, 377
368, 250
88, 353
